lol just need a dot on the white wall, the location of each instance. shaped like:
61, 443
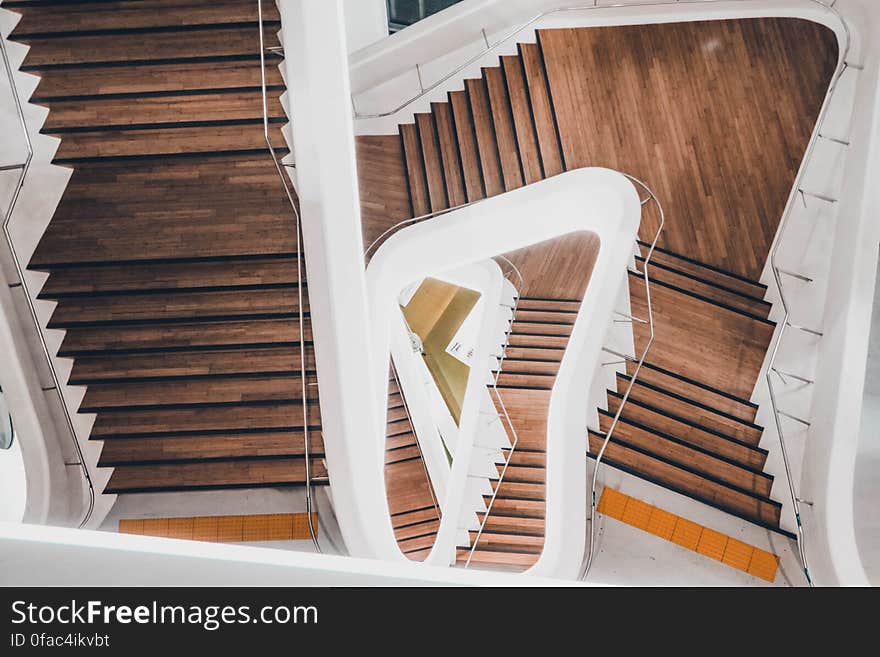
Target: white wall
366, 22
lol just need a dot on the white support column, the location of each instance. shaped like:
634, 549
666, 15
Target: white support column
316, 59
366, 22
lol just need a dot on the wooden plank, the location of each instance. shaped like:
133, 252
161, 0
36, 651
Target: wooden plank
467, 145
523, 120
487, 146
448, 140
505, 133
432, 162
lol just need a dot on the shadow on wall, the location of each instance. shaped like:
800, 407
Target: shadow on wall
12, 478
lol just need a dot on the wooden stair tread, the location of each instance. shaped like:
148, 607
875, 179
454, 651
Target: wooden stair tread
195, 336
151, 78
432, 162
688, 431
706, 289
196, 392
523, 121
505, 133
447, 138
676, 405
72, 311
171, 44
761, 511
212, 475
212, 446
542, 109
81, 17
172, 276
685, 454
706, 272
415, 167
223, 419
150, 110
466, 140
741, 408
487, 145
151, 142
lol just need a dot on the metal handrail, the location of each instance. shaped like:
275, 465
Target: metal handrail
843, 65
416, 438
500, 399
778, 272
23, 169
649, 322
299, 271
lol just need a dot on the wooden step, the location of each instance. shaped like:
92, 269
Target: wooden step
418, 544
195, 364
758, 510
527, 315
184, 393
705, 272
534, 354
208, 446
415, 170
114, 112
505, 132
707, 289
678, 406
223, 419
193, 336
414, 518
429, 527
717, 399
466, 139
542, 109
211, 476
498, 524
516, 508
509, 542
241, 136
549, 305
708, 343
102, 310
402, 454
519, 490
526, 381
542, 367
527, 410
541, 328
487, 146
524, 457
482, 558
151, 78
682, 453
112, 17
533, 341
165, 275
432, 161
689, 432
523, 121
449, 154
165, 45
525, 474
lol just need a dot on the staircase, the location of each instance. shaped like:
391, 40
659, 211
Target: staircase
689, 425
172, 256
415, 514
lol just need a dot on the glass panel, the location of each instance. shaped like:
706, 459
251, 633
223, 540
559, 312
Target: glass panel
402, 13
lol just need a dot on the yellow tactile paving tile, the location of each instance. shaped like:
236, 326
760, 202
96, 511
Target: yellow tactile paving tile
738, 554
225, 529
712, 544
662, 523
612, 503
763, 565
685, 533
637, 513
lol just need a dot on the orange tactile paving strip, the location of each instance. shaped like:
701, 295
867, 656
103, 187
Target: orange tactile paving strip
687, 534
225, 529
